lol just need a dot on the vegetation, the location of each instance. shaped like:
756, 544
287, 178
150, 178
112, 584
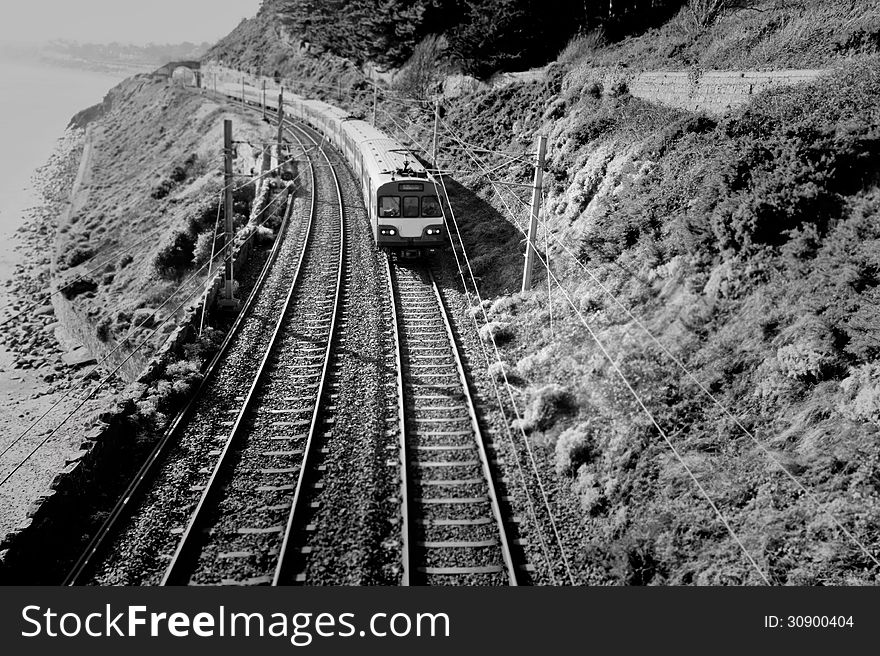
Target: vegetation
744, 244
481, 37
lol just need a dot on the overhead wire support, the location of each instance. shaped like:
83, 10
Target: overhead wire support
614, 365
536, 210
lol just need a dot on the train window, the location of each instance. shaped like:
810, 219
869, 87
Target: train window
411, 206
389, 206
430, 206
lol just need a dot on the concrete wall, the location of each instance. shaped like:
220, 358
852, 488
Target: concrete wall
715, 92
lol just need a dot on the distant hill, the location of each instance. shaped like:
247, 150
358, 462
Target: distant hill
106, 56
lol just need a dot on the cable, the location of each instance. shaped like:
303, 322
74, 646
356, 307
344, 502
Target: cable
82, 276
131, 332
510, 391
644, 408
531, 505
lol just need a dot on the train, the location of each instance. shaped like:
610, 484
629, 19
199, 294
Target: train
399, 194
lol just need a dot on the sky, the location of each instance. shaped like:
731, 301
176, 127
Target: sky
125, 21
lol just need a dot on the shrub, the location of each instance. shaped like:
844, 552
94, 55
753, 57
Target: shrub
588, 491
574, 448
102, 331
548, 404
705, 12
175, 256
862, 391
424, 70
500, 371
802, 361
582, 45
205, 243
495, 331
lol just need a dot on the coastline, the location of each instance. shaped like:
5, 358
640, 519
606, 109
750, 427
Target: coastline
39, 363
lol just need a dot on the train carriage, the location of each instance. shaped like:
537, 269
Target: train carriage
400, 196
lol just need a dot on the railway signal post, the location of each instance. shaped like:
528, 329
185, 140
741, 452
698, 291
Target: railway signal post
280, 125
227, 298
536, 209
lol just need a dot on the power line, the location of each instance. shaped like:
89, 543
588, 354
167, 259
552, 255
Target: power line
120, 344
507, 382
641, 404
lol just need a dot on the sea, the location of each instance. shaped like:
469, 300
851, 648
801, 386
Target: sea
37, 102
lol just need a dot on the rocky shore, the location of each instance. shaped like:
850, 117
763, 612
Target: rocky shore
35, 341
40, 367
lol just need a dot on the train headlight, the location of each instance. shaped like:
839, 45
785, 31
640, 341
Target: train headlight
388, 232
432, 231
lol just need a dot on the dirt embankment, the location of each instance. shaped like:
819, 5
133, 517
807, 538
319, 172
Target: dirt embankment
150, 188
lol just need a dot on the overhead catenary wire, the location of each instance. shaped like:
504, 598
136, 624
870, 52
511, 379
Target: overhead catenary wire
641, 405
545, 498
703, 389
119, 345
507, 421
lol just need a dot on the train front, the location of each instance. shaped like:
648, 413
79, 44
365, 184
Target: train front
409, 216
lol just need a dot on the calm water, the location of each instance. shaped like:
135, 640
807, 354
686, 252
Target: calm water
36, 104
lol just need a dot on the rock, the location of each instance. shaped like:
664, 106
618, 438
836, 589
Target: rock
78, 357
44, 309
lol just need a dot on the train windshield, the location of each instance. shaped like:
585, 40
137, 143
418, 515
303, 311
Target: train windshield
411, 206
389, 206
430, 206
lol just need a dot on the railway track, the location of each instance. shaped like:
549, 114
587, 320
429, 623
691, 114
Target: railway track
219, 497
452, 526
243, 530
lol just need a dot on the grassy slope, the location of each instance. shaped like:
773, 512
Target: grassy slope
748, 246
155, 140
816, 34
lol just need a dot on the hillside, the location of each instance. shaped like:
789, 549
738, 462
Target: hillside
747, 246
728, 267
149, 193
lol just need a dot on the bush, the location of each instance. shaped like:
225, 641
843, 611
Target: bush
495, 331
862, 391
548, 404
205, 243
102, 331
582, 45
176, 256
423, 71
575, 447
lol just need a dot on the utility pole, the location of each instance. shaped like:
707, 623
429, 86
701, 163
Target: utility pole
228, 299
536, 209
280, 123
242, 90
436, 125
264, 99
375, 99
